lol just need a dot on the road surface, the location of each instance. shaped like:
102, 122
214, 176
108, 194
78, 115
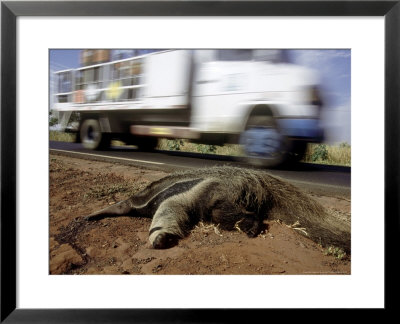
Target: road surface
319, 179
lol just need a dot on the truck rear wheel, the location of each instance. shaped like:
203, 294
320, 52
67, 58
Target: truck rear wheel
91, 136
262, 142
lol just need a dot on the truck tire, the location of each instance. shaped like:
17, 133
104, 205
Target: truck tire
263, 144
91, 136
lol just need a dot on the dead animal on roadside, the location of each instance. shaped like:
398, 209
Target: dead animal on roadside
228, 197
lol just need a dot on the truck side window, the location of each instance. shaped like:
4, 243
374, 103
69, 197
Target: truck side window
88, 76
65, 84
115, 71
96, 74
79, 80
128, 74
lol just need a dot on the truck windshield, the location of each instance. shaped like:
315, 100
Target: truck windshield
269, 55
235, 55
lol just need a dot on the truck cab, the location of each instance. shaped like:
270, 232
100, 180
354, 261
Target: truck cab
259, 99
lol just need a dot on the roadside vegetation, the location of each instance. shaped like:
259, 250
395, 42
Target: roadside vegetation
186, 146
338, 253
61, 136
328, 154
316, 153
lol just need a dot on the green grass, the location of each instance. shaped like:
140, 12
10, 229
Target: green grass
315, 153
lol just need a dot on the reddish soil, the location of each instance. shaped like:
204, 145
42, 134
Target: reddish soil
120, 245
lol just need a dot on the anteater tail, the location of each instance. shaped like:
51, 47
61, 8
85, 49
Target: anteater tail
294, 207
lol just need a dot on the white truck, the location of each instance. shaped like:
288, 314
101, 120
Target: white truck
251, 97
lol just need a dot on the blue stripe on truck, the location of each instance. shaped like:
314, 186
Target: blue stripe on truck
308, 128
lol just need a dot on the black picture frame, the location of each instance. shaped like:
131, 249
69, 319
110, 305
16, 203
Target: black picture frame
10, 10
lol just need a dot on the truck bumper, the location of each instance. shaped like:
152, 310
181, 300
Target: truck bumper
303, 129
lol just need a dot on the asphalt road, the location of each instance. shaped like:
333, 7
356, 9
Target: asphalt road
319, 179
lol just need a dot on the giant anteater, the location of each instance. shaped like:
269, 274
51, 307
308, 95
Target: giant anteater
231, 197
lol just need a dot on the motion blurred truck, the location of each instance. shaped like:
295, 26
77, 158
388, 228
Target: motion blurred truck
251, 97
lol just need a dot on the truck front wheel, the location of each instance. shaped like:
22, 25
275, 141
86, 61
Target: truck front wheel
91, 136
262, 142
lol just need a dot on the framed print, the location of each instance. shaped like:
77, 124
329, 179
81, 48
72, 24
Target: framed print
31, 30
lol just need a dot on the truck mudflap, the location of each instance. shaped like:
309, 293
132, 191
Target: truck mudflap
307, 129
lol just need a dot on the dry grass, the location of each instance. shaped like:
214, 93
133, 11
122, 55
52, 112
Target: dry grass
335, 154
339, 155
186, 146
207, 228
316, 153
328, 154
338, 253
61, 136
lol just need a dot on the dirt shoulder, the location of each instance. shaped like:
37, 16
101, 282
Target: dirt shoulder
120, 245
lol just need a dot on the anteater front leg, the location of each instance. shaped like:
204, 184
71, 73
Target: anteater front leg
170, 223
230, 216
